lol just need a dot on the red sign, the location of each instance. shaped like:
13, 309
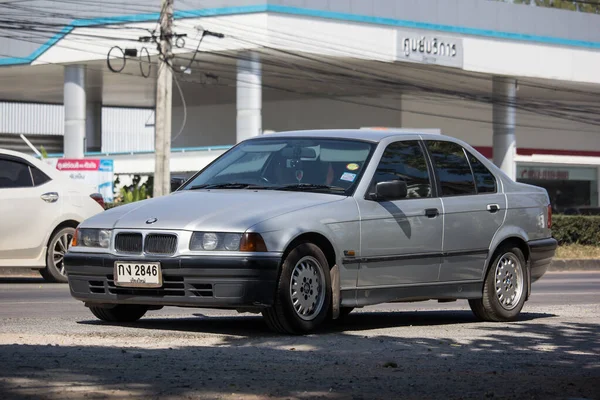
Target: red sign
66, 164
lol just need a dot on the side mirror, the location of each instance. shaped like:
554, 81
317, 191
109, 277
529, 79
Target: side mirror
391, 190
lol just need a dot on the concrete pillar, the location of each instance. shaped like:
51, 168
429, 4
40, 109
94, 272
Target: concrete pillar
504, 141
249, 97
93, 126
75, 105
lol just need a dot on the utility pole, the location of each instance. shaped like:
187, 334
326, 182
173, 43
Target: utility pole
164, 85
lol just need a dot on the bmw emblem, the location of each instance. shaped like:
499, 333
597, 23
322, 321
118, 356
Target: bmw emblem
151, 220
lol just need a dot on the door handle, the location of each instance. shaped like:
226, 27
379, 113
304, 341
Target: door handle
431, 212
493, 208
50, 197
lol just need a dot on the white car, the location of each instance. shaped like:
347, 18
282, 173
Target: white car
40, 208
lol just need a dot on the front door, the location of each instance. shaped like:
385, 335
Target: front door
401, 240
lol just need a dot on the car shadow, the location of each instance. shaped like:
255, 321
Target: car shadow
536, 357
253, 326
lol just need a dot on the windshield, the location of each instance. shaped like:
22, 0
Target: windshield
300, 164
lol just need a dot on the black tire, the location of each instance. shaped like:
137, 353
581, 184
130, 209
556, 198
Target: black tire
120, 313
55, 272
282, 316
489, 307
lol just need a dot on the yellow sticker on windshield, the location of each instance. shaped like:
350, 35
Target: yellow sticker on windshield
352, 167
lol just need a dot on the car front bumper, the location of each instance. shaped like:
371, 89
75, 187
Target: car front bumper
235, 282
541, 253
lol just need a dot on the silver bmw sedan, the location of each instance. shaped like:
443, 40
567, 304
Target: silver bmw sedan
306, 226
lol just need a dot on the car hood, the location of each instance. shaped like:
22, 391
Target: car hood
214, 210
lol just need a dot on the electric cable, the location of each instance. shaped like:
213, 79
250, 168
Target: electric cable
184, 108
109, 65
142, 50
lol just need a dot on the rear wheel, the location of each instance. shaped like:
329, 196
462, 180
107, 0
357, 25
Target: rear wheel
504, 289
303, 294
55, 255
119, 313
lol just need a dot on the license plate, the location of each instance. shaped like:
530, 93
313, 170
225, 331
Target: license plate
142, 274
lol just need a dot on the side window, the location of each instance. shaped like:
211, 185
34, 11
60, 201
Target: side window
39, 178
14, 174
484, 179
452, 168
405, 161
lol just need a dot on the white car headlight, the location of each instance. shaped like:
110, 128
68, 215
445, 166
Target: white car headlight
226, 241
93, 238
210, 241
231, 241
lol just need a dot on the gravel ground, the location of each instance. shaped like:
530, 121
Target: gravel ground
552, 352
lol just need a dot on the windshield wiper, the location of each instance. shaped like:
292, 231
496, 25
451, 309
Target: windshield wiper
232, 185
310, 186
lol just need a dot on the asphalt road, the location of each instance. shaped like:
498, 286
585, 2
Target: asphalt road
52, 347
34, 298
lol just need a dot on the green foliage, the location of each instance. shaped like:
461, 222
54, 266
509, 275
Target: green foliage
134, 192
562, 4
43, 152
576, 229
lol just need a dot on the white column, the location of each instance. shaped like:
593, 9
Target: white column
504, 141
249, 97
74, 103
93, 126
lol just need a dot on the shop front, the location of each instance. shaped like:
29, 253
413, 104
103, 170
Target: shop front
572, 189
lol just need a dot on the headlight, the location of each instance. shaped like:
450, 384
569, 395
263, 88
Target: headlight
227, 241
93, 238
210, 241
231, 241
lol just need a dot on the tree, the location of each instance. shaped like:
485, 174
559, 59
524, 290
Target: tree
587, 6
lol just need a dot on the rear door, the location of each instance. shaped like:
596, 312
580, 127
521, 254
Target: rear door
473, 210
27, 208
401, 240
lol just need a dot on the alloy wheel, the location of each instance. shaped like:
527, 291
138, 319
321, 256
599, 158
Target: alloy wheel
307, 289
509, 281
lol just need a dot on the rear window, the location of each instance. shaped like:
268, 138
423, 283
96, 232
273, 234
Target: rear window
484, 179
39, 178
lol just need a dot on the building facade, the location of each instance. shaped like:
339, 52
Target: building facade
519, 83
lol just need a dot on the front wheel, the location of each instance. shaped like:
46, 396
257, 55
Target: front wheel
303, 294
504, 289
55, 255
119, 313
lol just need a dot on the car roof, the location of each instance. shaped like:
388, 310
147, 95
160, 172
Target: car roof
16, 154
47, 169
371, 135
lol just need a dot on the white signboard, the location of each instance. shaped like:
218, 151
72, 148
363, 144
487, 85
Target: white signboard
429, 48
556, 173
98, 173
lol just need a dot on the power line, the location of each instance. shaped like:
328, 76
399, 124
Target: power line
384, 82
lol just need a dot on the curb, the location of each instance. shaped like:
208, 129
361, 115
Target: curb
14, 272
574, 265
